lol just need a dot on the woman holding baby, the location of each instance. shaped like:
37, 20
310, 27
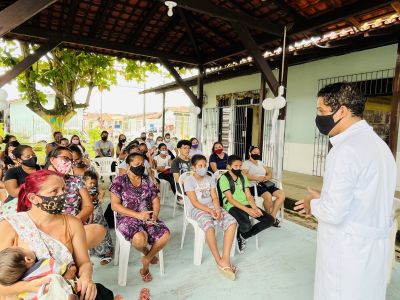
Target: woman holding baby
49, 234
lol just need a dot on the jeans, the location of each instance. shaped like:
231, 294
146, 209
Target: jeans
246, 229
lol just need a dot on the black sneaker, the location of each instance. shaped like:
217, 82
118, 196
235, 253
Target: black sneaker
276, 223
241, 243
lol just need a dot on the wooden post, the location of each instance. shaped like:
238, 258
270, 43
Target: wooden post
263, 94
20, 11
163, 113
395, 111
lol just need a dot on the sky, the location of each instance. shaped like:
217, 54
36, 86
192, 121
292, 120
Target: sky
124, 98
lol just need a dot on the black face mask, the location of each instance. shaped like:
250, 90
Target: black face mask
326, 123
143, 138
237, 172
31, 162
122, 141
78, 164
256, 156
52, 205
138, 171
104, 138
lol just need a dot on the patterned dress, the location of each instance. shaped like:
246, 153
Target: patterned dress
106, 246
137, 199
73, 200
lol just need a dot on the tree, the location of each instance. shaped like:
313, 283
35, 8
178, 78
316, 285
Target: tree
66, 71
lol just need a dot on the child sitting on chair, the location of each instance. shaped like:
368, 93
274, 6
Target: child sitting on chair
105, 249
205, 209
20, 264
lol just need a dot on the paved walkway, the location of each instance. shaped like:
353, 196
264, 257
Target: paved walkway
281, 269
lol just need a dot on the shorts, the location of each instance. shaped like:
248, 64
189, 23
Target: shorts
206, 221
261, 189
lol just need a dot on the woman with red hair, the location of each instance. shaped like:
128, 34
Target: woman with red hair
50, 234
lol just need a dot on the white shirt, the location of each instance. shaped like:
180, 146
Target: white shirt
354, 216
170, 145
162, 162
254, 170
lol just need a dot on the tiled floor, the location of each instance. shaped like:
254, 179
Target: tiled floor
282, 268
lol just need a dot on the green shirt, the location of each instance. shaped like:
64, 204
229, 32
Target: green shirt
239, 194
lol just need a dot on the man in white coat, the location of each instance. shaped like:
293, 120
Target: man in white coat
355, 206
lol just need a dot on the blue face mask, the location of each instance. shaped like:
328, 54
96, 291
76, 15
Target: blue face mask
201, 172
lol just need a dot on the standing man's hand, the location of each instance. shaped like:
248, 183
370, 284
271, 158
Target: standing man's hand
303, 206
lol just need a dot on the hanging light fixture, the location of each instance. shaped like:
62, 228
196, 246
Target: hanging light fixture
170, 5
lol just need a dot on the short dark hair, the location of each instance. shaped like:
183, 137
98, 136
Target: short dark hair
192, 139
104, 131
19, 150
64, 139
196, 158
167, 134
161, 145
90, 175
76, 149
232, 158
131, 156
12, 265
56, 132
343, 94
183, 143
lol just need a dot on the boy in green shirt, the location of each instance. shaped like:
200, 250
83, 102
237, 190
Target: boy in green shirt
239, 202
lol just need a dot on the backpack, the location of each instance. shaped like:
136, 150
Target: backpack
231, 187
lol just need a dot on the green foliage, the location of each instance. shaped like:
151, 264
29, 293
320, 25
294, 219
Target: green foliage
94, 135
66, 71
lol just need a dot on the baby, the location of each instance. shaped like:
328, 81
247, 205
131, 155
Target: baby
20, 264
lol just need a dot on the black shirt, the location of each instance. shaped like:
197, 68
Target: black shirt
18, 174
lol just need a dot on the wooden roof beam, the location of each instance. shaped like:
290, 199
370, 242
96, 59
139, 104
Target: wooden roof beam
40, 33
396, 6
28, 61
254, 51
207, 7
144, 23
190, 32
181, 83
324, 19
208, 27
17, 13
288, 9
174, 21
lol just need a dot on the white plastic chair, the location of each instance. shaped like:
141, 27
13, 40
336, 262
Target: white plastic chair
179, 193
103, 166
260, 201
199, 234
164, 187
392, 238
216, 176
122, 249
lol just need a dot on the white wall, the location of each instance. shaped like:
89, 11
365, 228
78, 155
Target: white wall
301, 96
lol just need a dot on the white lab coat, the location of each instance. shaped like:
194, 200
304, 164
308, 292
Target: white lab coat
354, 217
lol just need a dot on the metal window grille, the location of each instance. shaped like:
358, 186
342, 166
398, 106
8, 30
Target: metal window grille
376, 83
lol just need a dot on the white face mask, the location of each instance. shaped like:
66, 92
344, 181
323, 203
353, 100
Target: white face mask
164, 152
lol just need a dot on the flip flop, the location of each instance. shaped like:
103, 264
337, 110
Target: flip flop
234, 269
105, 260
227, 272
147, 277
144, 294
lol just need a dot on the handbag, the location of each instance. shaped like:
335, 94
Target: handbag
267, 184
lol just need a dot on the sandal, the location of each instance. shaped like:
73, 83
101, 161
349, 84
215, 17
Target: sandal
227, 272
144, 294
234, 269
105, 260
147, 277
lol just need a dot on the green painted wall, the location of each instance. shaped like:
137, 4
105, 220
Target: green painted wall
303, 86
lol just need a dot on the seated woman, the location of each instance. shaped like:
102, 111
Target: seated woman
49, 234
259, 176
77, 199
205, 209
134, 198
75, 140
218, 159
194, 149
10, 160
15, 177
79, 164
162, 164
